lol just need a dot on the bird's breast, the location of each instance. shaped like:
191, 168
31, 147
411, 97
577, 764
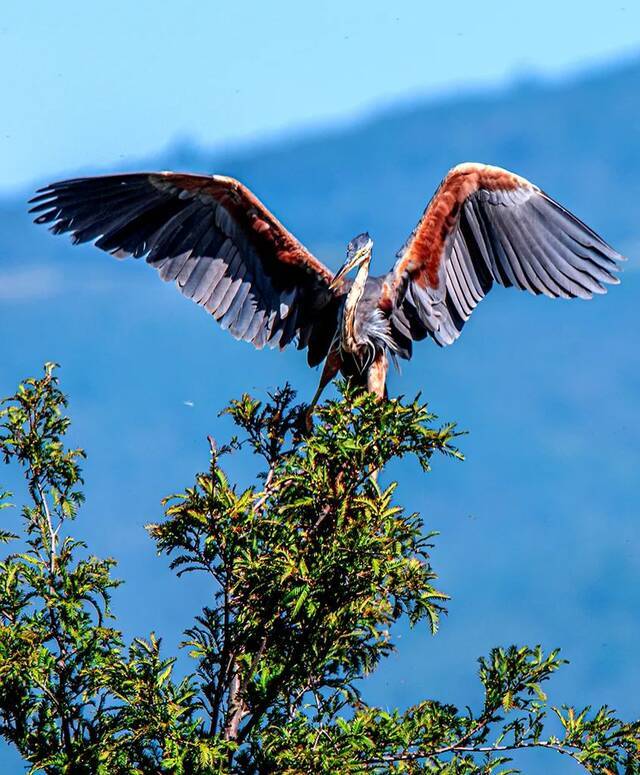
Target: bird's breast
363, 336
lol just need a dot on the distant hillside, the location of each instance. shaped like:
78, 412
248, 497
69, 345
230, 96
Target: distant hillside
549, 391
578, 140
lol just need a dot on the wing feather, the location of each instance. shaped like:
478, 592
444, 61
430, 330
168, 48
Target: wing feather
485, 225
215, 239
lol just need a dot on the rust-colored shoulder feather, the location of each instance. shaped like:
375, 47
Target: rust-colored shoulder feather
425, 250
246, 209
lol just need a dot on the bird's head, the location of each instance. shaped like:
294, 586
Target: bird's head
358, 253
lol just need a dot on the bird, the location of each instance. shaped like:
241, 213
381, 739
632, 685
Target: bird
228, 253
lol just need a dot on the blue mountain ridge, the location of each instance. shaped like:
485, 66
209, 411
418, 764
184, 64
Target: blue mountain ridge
539, 527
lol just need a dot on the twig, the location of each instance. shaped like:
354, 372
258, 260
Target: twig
53, 537
408, 756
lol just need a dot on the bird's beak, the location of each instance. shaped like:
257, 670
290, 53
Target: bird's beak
347, 267
340, 274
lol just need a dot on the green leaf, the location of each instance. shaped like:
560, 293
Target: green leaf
300, 602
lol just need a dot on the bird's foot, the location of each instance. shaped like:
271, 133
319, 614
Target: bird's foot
308, 418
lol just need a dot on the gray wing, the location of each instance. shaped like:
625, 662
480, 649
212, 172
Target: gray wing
486, 225
215, 239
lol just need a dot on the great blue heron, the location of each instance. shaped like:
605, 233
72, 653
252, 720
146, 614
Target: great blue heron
229, 254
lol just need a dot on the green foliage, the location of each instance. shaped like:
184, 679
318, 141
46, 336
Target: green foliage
72, 700
310, 568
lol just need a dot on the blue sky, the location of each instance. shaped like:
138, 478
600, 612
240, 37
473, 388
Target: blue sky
89, 84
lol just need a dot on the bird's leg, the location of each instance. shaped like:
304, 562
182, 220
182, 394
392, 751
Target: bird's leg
377, 376
377, 384
329, 370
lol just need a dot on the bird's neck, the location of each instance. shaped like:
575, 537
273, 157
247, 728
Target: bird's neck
349, 334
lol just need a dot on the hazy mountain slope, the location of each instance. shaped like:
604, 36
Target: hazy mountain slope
579, 141
549, 391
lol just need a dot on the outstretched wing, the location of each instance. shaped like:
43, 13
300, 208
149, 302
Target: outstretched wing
485, 225
215, 239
